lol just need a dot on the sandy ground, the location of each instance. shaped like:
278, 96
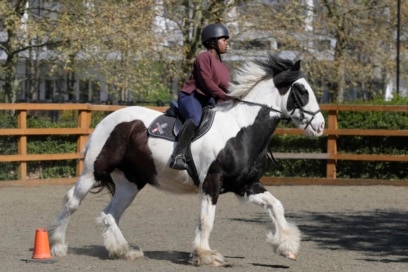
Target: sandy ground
343, 229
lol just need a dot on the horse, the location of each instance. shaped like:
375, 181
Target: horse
230, 156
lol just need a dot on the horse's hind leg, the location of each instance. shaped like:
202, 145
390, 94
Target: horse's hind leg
284, 236
72, 200
114, 240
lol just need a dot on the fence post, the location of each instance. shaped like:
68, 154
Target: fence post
22, 144
84, 121
332, 146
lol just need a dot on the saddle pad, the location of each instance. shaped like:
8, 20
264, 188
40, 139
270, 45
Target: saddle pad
162, 126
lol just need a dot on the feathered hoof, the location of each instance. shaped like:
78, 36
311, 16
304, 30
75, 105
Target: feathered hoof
287, 243
128, 254
207, 257
59, 249
134, 254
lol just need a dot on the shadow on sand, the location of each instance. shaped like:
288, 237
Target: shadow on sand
377, 233
381, 235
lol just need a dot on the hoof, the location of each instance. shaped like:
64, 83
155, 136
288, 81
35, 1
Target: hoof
127, 254
290, 256
208, 257
134, 254
59, 249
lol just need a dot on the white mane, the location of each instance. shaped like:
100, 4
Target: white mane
245, 78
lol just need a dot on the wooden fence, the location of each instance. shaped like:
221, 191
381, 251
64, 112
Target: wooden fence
83, 130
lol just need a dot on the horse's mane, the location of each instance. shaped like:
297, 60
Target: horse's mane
250, 73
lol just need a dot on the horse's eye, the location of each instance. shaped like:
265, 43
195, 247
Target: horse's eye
302, 89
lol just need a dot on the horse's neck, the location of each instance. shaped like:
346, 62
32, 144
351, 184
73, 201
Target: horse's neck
244, 114
265, 93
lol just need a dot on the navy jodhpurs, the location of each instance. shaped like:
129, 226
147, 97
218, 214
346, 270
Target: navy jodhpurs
191, 105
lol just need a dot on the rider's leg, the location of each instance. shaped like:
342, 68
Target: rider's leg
191, 110
178, 159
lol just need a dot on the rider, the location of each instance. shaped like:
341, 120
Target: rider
207, 85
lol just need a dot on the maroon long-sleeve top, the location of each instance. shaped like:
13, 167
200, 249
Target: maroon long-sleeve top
210, 77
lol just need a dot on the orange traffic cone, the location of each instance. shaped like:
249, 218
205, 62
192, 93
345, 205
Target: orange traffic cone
41, 245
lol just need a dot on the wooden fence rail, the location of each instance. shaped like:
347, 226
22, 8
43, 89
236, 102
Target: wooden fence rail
83, 131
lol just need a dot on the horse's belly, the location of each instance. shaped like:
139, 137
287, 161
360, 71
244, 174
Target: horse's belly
166, 178
176, 181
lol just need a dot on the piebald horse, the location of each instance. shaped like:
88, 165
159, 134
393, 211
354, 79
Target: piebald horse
230, 156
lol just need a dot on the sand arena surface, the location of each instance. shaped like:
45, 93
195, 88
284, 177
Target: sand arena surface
344, 228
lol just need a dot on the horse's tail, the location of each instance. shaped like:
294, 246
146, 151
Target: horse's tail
99, 185
110, 157
102, 176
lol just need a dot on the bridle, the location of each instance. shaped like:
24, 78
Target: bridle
297, 106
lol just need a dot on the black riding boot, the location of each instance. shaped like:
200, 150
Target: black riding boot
178, 159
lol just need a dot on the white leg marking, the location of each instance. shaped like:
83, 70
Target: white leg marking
205, 224
284, 236
202, 253
114, 240
72, 200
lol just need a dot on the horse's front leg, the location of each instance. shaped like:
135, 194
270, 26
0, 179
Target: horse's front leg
202, 253
284, 236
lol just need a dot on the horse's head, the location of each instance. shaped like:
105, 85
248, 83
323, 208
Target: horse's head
294, 98
300, 105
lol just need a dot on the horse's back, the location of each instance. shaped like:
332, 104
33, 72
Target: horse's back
130, 114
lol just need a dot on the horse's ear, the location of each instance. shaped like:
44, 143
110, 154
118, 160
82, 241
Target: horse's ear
296, 67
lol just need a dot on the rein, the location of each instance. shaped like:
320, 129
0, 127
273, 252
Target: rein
257, 104
287, 119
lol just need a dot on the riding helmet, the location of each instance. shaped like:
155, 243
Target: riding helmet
213, 31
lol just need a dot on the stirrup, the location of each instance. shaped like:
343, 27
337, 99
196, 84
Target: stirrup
178, 162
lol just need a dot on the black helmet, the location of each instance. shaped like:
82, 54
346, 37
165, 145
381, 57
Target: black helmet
213, 31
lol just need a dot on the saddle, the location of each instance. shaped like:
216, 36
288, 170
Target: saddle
168, 125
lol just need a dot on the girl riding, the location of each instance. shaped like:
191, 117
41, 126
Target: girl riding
207, 85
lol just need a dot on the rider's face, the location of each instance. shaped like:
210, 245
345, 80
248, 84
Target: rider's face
223, 45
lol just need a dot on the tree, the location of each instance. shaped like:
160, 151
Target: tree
363, 34
347, 47
23, 27
112, 40
139, 48
181, 22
